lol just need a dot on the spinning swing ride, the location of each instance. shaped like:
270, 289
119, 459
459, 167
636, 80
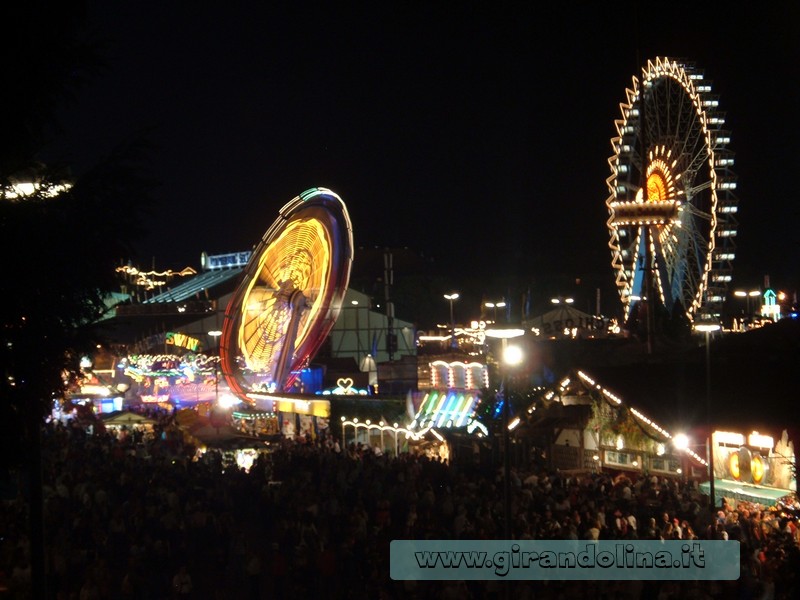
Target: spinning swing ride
289, 296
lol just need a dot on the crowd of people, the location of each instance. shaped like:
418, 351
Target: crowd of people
132, 516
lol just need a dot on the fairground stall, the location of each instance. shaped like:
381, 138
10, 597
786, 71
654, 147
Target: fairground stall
580, 425
752, 468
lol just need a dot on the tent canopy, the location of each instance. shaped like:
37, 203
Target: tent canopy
120, 418
744, 492
563, 317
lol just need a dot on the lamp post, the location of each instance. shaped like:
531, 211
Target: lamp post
215, 334
747, 295
511, 356
707, 328
495, 306
452, 297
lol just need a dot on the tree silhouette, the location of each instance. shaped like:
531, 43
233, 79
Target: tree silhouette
59, 250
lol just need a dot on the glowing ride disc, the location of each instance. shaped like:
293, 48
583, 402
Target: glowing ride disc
289, 296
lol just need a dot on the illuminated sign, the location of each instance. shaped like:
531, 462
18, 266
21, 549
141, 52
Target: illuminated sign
760, 441
182, 340
151, 399
226, 261
344, 387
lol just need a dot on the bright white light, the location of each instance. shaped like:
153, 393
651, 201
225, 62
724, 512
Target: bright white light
215, 333
681, 441
760, 441
707, 327
228, 401
453, 296
504, 333
728, 437
512, 355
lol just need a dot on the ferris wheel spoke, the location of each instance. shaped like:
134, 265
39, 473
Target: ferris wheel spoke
696, 213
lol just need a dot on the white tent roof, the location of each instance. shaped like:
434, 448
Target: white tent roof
126, 418
564, 316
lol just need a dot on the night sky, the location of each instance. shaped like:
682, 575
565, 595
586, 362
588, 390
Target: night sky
475, 134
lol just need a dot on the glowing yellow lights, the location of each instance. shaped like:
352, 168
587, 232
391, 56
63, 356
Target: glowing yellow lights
733, 466
656, 187
145, 278
290, 286
667, 200
757, 468
289, 296
27, 190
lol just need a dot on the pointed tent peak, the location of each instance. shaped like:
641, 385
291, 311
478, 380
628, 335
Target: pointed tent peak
577, 382
563, 310
126, 418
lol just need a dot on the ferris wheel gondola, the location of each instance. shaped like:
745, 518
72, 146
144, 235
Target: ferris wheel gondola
672, 204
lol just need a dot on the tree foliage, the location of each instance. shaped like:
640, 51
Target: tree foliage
59, 251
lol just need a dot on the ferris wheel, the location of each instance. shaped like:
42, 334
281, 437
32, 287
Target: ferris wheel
289, 296
672, 204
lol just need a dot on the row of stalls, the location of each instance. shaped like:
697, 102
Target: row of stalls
580, 425
575, 424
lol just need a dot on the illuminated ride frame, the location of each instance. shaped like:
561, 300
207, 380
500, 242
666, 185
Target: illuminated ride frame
672, 209
288, 300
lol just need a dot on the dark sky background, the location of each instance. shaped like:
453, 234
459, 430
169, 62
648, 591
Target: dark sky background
476, 134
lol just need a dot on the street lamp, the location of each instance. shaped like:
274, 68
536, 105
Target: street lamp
684, 445
511, 356
747, 295
495, 306
215, 334
707, 327
452, 297
681, 441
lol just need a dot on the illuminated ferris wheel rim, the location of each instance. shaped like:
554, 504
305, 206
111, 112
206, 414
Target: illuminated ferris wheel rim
327, 224
662, 222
